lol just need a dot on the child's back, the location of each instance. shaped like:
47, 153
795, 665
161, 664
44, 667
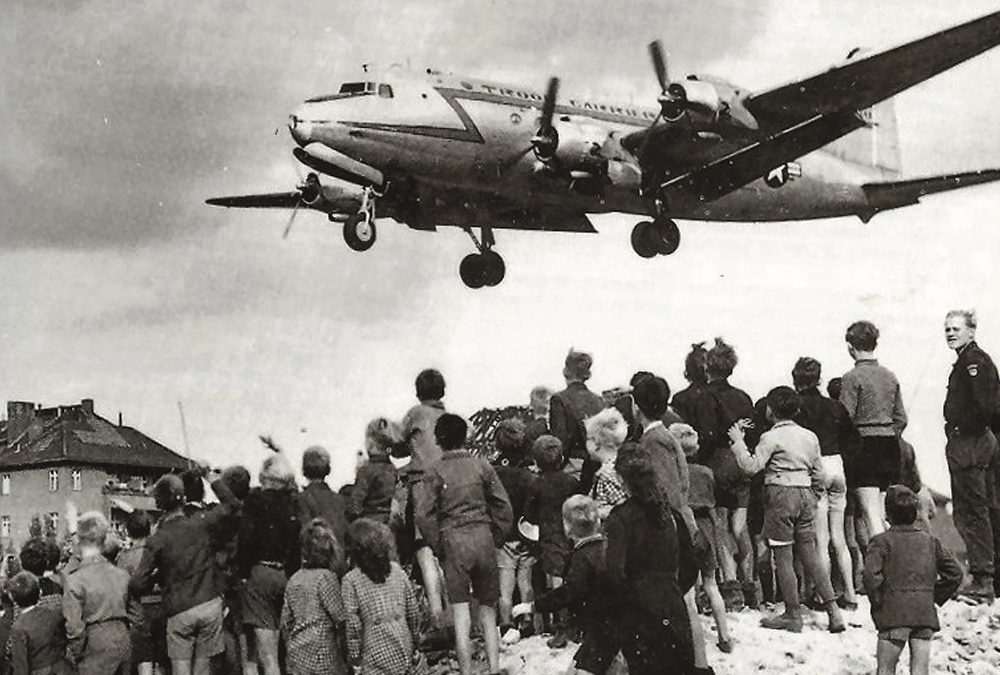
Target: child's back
553, 488
38, 641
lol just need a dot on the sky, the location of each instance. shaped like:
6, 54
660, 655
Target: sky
118, 283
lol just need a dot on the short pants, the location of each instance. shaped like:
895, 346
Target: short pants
707, 526
196, 632
263, 596
789, 514
834, 483
877, 462
469, 561
906, 633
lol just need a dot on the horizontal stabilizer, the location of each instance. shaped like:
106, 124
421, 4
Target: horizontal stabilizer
890, 195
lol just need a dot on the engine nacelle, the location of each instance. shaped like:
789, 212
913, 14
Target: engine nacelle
697, 94
580, 149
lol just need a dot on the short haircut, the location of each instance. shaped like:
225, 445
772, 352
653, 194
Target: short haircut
380, 435
783, 402
319, 545
651, 396
608, 428
539, 397
92, 528
315, 463
548, 452
638, 377
509, 437
900, 505
24, 590
834, 386
168, 492
579, 512
577, 366
721, 359
237, 478
34, 556
138, 524
276, 473
806, 373
862, 335
968, 315
450, 431
430, 385
686, 437
369, 546
194, 486
694, 364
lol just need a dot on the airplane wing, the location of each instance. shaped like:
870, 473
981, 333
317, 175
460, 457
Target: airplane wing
270, 200
803, 116
330, 199
893, 194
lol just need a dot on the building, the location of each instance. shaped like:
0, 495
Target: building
67, 459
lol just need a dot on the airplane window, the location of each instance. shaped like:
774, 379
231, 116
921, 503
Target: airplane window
385, 91
357, 88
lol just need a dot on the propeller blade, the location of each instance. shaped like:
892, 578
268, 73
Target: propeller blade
291, 219
659, 63
549, 104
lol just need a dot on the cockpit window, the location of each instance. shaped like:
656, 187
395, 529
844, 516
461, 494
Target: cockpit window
357, 88
385, 91
351, 89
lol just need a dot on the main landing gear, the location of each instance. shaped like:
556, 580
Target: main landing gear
485, 268
359, 230
661, 236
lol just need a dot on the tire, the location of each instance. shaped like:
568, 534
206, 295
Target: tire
495, 268
643, 240
668, 236
358, 233
473, 271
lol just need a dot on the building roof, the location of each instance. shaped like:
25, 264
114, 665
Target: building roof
74, 434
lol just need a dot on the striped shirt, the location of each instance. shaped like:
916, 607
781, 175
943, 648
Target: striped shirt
871, 394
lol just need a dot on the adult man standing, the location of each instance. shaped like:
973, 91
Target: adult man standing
570, 407
971, 406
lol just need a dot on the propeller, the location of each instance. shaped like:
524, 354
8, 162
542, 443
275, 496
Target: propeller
309, 192
672, 95
545, 142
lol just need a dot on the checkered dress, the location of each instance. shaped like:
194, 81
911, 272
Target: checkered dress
311, 617
382, 622
608, 489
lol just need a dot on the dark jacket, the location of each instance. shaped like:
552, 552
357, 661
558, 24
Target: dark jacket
269, 531
685, 402
181, 555
567, 411
545, 510
373, 489
38, 640
828, 419
973, 401
460, 490
317, 500
907, 571
586, 590
521, 486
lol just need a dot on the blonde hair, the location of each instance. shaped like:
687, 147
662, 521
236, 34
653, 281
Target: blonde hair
276, 473
580, 517
686, 436
380, 435
92, 528
608, 430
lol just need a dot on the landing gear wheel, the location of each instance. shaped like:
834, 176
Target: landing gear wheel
359, 231
668, 236
494, 268
644, 240
473, 270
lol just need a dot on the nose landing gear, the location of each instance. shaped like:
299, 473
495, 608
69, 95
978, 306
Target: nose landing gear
485, 268
359, 230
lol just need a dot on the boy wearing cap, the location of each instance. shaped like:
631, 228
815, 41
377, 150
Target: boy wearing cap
462, 511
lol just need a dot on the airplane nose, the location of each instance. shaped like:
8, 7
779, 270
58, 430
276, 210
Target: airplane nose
298, 129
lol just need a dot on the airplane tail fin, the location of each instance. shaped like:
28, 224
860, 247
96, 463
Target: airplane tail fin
883, 196
875, 145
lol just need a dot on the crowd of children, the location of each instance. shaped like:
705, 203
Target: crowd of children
611, 523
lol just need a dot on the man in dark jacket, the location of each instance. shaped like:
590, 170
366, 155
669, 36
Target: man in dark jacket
463, 511
971, 406
569, 408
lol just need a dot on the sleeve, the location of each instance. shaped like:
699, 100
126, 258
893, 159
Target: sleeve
497, 503
17, 645
752, 464
412, 611
559, 421
849, 396
985, 388
949, 573
816, 477
331, 599
142, 579
72, 606
359, 493
899, 419
287, 620
873, 575
850, 441
354, 626
615, 557
425, 507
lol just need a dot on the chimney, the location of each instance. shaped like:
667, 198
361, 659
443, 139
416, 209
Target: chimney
87, 405
20, 416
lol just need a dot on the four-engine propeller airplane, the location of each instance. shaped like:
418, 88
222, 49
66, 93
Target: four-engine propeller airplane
436, 149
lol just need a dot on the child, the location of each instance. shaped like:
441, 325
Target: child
382, 614
545, 510
40, 556
376, 479
606, 431
38, 638
313, 616
463, 512
94, 605
701, 498
907, 570
790, 458
144, 613
587, 590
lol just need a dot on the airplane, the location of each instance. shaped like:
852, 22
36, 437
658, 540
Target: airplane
430, 149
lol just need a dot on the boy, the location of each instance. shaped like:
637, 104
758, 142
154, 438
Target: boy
907, 570
462, 511
587, 590
790, 458
38, 637
94, 605
545, 510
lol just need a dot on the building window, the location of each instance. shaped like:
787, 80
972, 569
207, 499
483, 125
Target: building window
4, 526
53, 521
77, 480
54, 480
5, 484
143, 483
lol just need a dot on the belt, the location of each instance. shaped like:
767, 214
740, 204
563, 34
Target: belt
272, 564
